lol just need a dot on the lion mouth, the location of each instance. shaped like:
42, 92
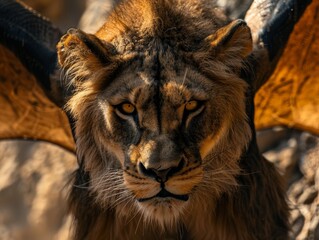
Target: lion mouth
165, 194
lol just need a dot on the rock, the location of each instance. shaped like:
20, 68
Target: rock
270, 138
284, 154
235, 9
297, 221
32, 194
297, 159
95, 14
308, 196
309, 147
296, 189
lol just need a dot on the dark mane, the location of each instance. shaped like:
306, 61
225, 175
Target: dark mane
186, 23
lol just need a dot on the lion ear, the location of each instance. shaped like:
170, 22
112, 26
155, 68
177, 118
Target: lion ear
83, 55
231, 41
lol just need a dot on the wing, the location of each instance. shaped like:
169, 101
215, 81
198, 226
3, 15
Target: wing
27, 58
291, 95
286, 39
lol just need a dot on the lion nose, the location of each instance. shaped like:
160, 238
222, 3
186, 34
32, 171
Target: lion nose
160, 174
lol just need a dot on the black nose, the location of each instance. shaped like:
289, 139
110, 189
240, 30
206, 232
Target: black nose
160, 175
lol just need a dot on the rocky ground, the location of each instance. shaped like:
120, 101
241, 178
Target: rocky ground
297, 158
32, 195
33, 175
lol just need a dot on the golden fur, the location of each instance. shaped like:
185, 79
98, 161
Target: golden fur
159, 56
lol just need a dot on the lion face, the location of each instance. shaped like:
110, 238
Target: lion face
161, 130
160, 126
158, 129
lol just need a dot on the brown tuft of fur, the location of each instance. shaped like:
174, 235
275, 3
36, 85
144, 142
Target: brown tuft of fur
158, 56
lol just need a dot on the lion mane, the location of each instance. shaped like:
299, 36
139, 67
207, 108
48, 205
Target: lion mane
163, 109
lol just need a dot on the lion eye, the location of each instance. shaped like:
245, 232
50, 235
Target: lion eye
127, 108
191, 105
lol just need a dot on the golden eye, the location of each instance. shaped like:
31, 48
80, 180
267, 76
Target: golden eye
127, 108
191, 105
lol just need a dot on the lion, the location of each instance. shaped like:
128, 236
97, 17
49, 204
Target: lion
163, 112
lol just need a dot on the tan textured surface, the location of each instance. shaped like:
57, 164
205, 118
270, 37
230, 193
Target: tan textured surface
291, 95
25, 111
33, 176
297, 159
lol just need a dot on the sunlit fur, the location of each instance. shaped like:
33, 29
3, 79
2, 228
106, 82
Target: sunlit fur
158, 55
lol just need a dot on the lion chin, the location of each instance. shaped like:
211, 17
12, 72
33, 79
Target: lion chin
165, 211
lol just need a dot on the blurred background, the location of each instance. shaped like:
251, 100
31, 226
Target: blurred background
33, 174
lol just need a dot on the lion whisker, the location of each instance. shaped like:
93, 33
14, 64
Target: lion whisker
141, 216
122, 199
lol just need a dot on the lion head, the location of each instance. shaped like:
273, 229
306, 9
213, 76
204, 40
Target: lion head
160, 109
